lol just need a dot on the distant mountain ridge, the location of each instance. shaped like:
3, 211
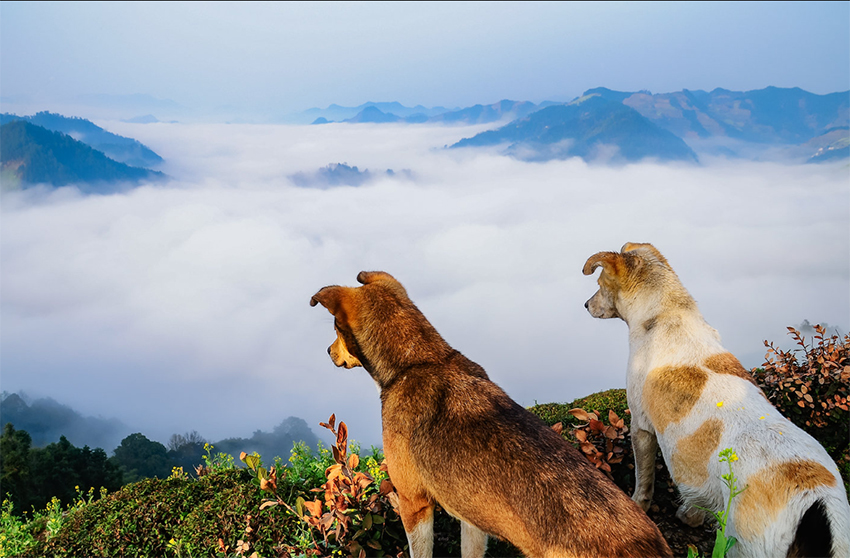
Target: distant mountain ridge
46, 420
585, 128
770, 115
124, 150
816, 124
709, 121
30, 154
396, 112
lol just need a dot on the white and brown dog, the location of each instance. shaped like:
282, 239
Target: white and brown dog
693, 398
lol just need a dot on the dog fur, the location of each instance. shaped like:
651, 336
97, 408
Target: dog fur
452, 437
693, 398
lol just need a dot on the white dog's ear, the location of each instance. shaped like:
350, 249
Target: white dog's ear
644, 247
611, 262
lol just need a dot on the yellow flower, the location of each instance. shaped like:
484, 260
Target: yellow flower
761, 417
734, 457
720, 403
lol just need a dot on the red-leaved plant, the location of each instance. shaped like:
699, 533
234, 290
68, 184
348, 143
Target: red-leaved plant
350, 512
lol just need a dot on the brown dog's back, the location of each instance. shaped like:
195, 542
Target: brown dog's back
491, 462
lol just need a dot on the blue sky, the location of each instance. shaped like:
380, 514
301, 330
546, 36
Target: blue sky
276, 58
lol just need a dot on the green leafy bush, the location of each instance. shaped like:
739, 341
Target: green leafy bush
601, 403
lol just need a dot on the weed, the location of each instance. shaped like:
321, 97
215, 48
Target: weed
722, 543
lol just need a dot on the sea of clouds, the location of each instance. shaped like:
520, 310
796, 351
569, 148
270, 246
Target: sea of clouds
184, 305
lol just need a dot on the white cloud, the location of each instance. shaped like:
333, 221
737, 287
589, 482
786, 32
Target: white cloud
185, 306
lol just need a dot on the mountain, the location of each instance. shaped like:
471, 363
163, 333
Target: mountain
119, 148
31, 154
373, 114
396, 112
481, 114
337, 113
46, 420
339, 174
278, 442
834, 144
772, 115
584, 128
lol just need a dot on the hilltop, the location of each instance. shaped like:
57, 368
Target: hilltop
119, 148
582, 129
32, 154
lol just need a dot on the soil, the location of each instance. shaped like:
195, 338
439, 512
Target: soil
679, 536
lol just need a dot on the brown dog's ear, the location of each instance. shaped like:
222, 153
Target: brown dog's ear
611, 262
366, 277
329, 297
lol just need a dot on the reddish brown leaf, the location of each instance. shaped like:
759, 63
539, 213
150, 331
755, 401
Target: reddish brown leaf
314, 507
342, 438
580, 414
558, 427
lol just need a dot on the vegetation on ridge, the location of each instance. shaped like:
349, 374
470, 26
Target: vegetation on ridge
339, 501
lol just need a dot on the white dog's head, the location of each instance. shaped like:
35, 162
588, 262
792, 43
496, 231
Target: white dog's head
636, 276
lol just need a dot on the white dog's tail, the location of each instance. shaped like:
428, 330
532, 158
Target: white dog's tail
824, 530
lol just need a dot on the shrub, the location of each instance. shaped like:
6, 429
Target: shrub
810, 385
612, 399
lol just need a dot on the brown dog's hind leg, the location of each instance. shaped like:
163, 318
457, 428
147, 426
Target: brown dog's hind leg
417, 515
473, 541
645, 446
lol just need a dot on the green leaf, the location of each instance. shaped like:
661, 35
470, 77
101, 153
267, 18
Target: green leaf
720, 546
252, 461
377, 519
299, 506
367, 521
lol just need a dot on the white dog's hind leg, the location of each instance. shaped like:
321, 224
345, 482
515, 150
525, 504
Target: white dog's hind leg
645, 445
473, 541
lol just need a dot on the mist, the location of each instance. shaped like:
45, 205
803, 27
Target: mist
185, 305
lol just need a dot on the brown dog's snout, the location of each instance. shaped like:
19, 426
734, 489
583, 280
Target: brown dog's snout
585, 304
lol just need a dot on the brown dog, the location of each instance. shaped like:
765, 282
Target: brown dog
453, 437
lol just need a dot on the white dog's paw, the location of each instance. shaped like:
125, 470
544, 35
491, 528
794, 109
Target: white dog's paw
690, 515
